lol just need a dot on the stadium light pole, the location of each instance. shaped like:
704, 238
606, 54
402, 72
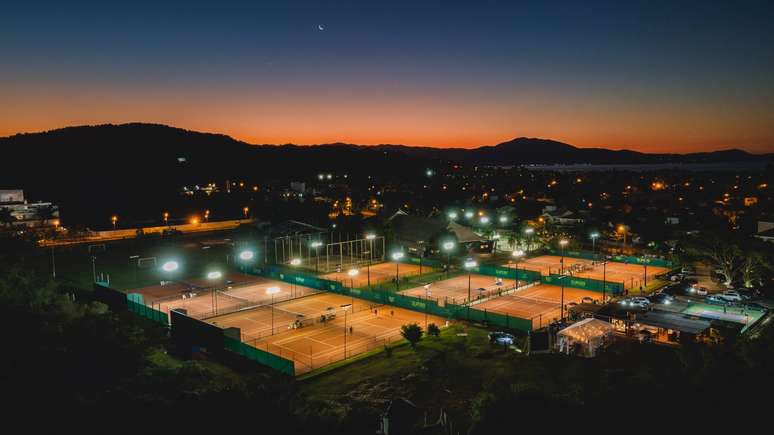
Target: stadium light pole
517, 254
469, 265
316, 245
529, 231
562, 243
594, 236
397, 256
604, 279
448, 247
352, 274
114, 219
561, 307
370, 237
295, 263
272, 291
166, 218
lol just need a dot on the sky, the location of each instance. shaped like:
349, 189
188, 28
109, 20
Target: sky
653, 76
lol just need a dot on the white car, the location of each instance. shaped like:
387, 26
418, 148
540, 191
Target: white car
730, 296
640, 300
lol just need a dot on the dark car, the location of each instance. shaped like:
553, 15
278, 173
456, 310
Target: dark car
501, 338
661, 298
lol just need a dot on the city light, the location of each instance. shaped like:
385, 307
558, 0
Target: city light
246, 255
215, 274
170, 266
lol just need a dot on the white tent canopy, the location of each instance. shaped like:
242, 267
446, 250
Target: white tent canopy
589, 334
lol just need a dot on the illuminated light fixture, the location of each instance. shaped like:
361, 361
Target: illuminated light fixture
563, 242
295, 262
397, 256
484, 220
468, 215
370, 236
246, 255
272, 290
453, 215
469, 264
503, 219
448, 246
316, 244
170, 266
518, 253
529, 230
215, 274
352, 272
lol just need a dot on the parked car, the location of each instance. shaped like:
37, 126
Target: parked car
635, 303
730, 296
587, 300
640, 300
697, 290
662, 298
501, 338
715, 299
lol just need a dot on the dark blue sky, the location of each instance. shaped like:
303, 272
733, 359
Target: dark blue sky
651, 75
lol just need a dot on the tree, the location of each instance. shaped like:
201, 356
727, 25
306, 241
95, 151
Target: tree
725, 257
752, 269
412, 333
433, 329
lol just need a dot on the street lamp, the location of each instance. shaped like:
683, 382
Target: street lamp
453, 215
517, 254
503, 219
448, 247
484, 220
562, 243
114, 219
272, 291
246, 255
215, 274
594, 236
370, 237
166, 217
352, 274
245, 210
170, 266
622, 229
468, 215
561, 307
295, 262
397, 256
604, 279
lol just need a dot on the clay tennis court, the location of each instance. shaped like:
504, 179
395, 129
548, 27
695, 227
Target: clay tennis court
320, 343
455, 290
631, 275
206, 298
540, 303
380, 272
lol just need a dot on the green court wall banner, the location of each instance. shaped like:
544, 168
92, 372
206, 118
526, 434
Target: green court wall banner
507, 272
260, 356
429, 262
614, 288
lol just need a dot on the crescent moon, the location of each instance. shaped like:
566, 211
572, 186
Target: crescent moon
320, 27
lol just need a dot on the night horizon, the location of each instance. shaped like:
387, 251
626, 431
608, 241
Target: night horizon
641, 76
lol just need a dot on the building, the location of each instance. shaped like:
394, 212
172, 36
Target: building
16, 211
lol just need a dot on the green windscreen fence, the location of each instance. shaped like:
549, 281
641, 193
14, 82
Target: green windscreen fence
428, 262
496, 319
628, 259
136, 304
306, 280
262, 357
595, 285
507, 272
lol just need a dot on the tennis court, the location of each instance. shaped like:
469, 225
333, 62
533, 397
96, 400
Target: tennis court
380, 272
631, 275
540, 303
203, 298
455, 290
301, 334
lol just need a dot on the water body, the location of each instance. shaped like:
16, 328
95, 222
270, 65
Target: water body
758, 166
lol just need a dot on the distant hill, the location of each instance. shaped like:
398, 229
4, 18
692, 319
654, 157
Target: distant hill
106, 166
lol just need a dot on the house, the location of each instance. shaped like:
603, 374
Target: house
417, 235
16, 211
562, 216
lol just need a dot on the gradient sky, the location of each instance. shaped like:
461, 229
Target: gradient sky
647, 75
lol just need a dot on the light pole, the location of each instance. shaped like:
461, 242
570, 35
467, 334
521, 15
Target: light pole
93, 268
346, 308
295, 263
562, 243
370, 237
272, 291
316, 245
529, 231
114, 219
166, 218
397, 257
622, 230
517, 254
352, 274
594, 237
645, 277
448, 247
245, 210
604, 279
469, 265
427, 298
561, 308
